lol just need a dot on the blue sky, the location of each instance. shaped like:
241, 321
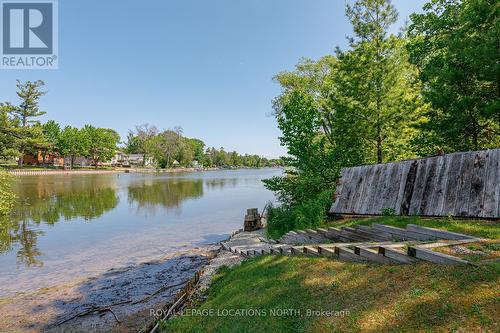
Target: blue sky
205, 65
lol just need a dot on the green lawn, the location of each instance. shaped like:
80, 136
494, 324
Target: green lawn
379, 298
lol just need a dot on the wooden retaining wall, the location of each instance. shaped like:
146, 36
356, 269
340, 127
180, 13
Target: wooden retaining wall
460, 184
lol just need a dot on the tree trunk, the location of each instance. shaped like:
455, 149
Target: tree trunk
20, 162
379, 150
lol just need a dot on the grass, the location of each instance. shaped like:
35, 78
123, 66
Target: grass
359, 297
474, 252
362, 298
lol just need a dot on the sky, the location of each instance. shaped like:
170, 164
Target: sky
204, 65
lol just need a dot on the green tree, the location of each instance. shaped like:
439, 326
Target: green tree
8, 148
198, 148
381, 87
51, 131
28, 137
456, 46
100, 144
70, 144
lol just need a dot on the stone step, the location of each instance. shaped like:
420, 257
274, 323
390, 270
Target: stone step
436, 233
435, 257
353, 236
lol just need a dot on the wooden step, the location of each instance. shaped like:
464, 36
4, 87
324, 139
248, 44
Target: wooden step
402, 233
372, 255
316, 236
309, 250
327, 252
353, 236
374, 234
396, 255
435, 257
297, 250
333, 233
437, 233
347, 254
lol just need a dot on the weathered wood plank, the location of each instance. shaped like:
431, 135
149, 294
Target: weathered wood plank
347, 190
492, 186
478, 181
357, 188
429, 185
371, 177
368, 172
452, 185
378, 195
370, 209
463, 190
460, 184
341, 199
435, 257
437, 233
339, 190
418, 188
405, 169
394, 185
440, 187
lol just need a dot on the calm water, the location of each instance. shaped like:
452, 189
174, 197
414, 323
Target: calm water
74, 226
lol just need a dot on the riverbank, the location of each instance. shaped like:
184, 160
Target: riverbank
120, 300
279, 293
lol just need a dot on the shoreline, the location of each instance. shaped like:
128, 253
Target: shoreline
128, 298
41, 171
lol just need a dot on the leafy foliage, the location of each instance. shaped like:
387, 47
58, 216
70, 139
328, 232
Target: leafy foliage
360, 106
309, 213
455, 45
100, 144
7, 198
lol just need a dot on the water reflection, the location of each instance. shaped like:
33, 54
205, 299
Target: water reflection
168, 194
46, 200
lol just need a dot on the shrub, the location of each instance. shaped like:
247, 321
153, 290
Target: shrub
6, 196
307, 214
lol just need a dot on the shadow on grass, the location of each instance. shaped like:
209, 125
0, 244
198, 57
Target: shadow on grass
378, 298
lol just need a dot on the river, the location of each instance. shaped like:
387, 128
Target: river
69, 227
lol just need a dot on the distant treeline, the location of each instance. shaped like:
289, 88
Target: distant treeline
170, 147
22, 133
